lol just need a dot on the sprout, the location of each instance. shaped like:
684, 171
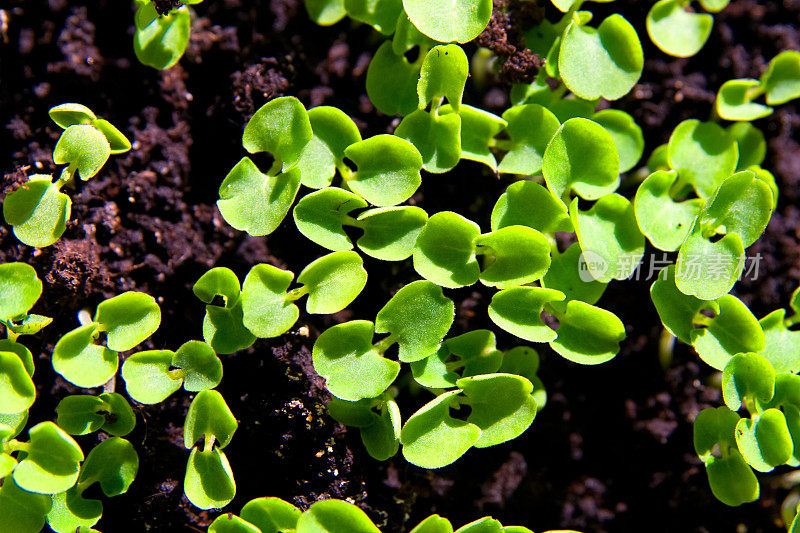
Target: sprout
209, 480
83, 414
161, 38
223, 328
126, 320
151, 376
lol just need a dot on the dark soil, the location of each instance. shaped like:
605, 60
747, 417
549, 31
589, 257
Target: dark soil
612, 451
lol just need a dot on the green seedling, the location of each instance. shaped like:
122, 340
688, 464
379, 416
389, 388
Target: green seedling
530, 128
161, 36
209, 480
83, 414
22, 511
20, 289
17, 390
446, 21
331, 282
677, 29
38, 210
478, 131
126, 320
323, 156
113, 464
49, 463
223, 329
779, 84
152, 376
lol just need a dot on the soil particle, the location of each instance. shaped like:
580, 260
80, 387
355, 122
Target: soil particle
504, 39
257, 84
76, 42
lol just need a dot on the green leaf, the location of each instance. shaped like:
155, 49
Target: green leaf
526, 203
566, 274
20, 288
320, 217
704, 155
38, 211
390, 233
676, 309
271, 515
782, 347
71, 512
355, 414
333, 282
518, 310
677, 31
230, 523
436, 137
765, 441
113, 463
17, 391
147, 376
335, 516
209, 482
201, 367
382, 438
587, 335
128, 319
659, 159
665, 222
449, 20
530, 128
524, 361
732, 331
160, 41
714, 427
14, 424
118, 143
433, 372
381, 14
333, 132
709, 269
714, 6
22, 511
609, 237
325, 12
434, 524
223, 328
513, 255
482, 525
267, 311
352, 367
478, 351
581, 156
66, 115
604, 62
742, 205
445, 250
734, 101
388, 169
432, 438
80, 361
209, 416
52, 462
254, 202
751, 142
121, 420
24, 354
626, 133
280, 127
478, 129
747, 376
219, 281
80, 414
83, 148
30, 325
501, 406
444, 73
392, 81
417, 317
781, 81
407, 36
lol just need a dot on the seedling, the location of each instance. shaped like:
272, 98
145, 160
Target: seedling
152, 376
779, 84
222, 326
38, 210
678, 30
126, 320
83, 414
209, 480
162, 32
113, 464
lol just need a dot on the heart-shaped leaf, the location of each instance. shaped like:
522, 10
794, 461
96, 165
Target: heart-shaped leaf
444, 73
38, 211
335, 516
388, 169
148, 378
764, 440
223, 327
24, 354
449, 20
709, 269
781, 81
267, 311
478, 352
478, 130
83, 414
321, 215
390, 233
526, 203
734, 101
84, 148
200, 366
128, 319
518, 310
80, 361
581, 156
333, 282
209, 482
747, 376
392, 81
438, 138
20, 287
52, 463
445, 250
733, 330
704, 155
352, 367
113, 463
604, 62
116, 140
530, 128
417, 318
271, 515
677, 31
513, 255
66, 115
209, 416
742, 205
501, 406
160, 41
254, 202
782, 347
664, 222
380, 15
17, 391
280, 127
626, 133
382, 439
676, 309
333, 132
587, 334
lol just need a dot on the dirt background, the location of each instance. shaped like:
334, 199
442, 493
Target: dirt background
612, 451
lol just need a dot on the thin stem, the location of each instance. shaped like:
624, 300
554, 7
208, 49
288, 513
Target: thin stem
344, 170
83, 485
16, 446
296, 294
67, 176
384, 344
176, 374
666, 345
209, 443
702, 320
276, 167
